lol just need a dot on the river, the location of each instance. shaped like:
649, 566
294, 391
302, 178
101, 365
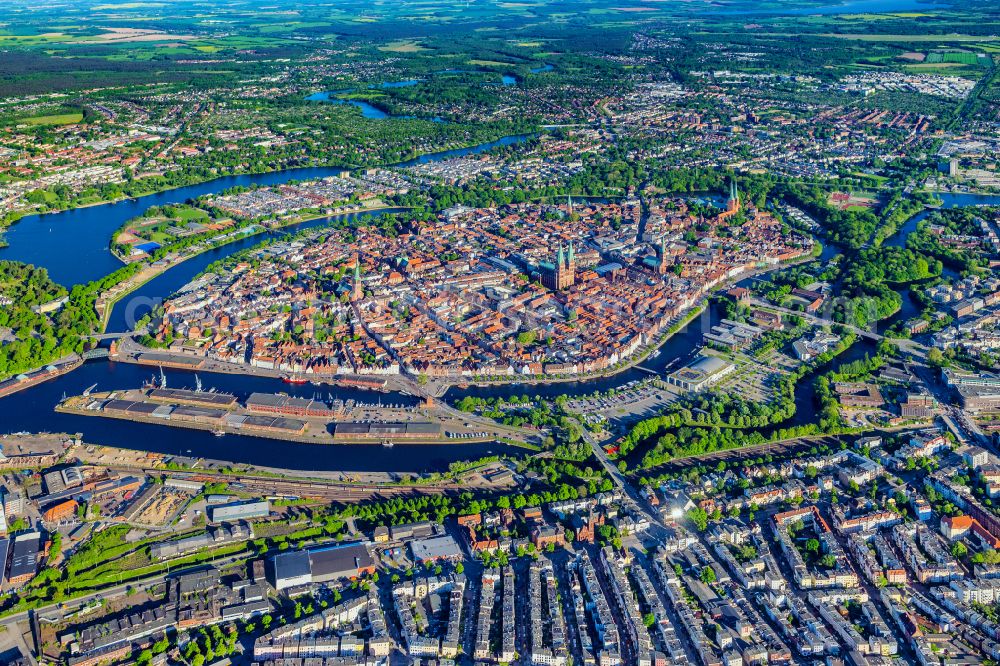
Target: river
72, 258
948, 200
367, 110
372, 112
73, 245
31, 410
908, 308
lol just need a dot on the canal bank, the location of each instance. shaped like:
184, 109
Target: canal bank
32, 409
131, 307
909, 308
73, 245
238, 421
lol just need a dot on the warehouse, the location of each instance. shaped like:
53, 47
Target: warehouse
435, 549
321, 565
341, 561
291, 569
186, 397
4, 550
140, 409
60, 511
416, 430
273, 424
419, 530
24, 560
238, 511
170, 360
271, 403
197, 414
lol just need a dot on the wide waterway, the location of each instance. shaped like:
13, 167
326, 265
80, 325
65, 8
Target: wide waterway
32, 409
73, 245
948, 200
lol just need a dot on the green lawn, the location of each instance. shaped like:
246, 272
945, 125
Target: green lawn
188, 214
57, 119
964, 58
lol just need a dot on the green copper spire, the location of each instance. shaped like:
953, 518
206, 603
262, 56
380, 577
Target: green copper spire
572, 256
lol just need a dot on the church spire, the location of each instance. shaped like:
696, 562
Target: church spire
560, 257
572, 255
734, 197
357, 292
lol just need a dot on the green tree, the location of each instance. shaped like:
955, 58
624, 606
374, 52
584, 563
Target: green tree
699, 518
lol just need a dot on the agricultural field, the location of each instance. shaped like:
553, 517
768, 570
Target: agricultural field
56, 119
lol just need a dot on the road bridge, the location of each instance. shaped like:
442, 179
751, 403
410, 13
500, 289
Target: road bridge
913, 348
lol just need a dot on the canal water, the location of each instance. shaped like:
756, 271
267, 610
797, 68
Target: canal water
73, 245
141, 301
70, 259
31, 410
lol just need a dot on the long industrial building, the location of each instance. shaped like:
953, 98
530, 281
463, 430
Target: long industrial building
320, 565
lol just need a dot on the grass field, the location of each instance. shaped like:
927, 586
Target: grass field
963, 58
55, 119
489, 63
188, 214
933, 65
882, 17
945, 69
403, 47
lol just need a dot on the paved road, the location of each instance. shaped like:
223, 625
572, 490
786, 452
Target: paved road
914, 348
620, 480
